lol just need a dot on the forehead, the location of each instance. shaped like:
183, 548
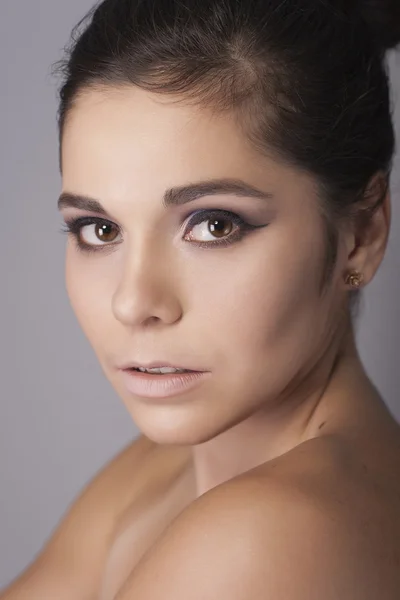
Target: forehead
124, 139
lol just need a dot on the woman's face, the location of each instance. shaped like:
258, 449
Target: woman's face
158, 287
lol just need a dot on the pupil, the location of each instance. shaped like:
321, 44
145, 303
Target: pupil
217, 228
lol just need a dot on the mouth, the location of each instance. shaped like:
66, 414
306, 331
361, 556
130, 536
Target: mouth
161, 385
160, 367
163, 371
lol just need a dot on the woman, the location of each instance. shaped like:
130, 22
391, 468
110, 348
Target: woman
225, 173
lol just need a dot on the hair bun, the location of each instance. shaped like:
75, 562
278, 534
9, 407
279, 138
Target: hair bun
383, 19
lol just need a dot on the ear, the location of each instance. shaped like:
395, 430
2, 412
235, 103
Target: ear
368, 234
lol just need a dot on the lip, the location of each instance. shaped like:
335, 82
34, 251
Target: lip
161, 386
158, 364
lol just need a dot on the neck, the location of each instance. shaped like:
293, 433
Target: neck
331, 398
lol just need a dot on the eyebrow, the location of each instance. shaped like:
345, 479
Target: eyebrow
175, 196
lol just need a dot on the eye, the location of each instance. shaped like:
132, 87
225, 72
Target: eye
215, 228
98, 232
92, 233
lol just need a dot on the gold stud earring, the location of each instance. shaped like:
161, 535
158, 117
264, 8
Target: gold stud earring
355, 279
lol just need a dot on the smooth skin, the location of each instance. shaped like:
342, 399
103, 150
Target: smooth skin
295, 455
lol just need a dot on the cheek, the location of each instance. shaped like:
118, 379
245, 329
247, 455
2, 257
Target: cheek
89, 293
265, 308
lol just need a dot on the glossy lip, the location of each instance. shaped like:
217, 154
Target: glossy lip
160, 386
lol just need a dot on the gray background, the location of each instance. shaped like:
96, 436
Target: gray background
60, 420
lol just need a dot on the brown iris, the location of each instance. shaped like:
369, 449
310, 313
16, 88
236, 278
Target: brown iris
105, 232
220, 227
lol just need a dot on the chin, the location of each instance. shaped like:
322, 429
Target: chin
168, 427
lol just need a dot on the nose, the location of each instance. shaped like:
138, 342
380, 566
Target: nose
147, 293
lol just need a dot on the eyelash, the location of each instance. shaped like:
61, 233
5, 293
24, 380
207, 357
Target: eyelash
73, 227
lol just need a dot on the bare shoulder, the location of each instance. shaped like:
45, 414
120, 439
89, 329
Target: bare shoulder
72, 561
329, 507
314, 513
354, 486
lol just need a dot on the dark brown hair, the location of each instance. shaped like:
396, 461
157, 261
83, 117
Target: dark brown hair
306, 79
